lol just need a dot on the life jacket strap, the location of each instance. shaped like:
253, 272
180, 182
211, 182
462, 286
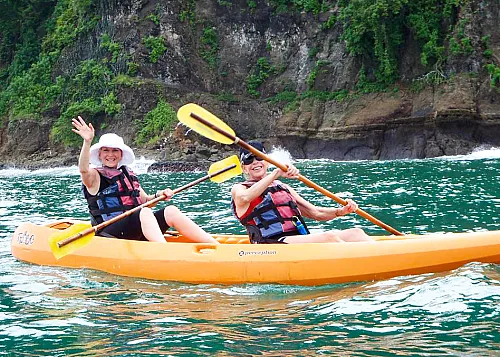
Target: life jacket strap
108, 210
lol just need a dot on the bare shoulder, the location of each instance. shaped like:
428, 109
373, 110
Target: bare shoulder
238, 187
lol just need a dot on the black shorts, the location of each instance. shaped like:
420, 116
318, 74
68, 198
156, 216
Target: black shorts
273, 240
130, 227
256, 237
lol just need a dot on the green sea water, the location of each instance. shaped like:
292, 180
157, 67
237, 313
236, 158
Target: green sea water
48, 311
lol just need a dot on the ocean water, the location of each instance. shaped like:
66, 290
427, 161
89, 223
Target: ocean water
48, 311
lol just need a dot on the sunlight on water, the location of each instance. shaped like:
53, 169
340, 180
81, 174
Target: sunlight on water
50, 311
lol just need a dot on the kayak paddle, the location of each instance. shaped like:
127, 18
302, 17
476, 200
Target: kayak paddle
79, 235
208, 125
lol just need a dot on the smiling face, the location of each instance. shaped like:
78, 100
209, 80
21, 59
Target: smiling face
110, 157
255, 170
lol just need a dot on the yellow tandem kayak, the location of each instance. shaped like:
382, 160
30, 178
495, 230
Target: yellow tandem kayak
235, 261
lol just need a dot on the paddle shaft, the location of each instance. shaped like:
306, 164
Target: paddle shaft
305, 180
204, 178
135, 209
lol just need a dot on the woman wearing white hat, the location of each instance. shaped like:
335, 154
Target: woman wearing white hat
111, 189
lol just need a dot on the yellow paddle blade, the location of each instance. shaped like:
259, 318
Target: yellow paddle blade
184, 116
76, 228
221, 165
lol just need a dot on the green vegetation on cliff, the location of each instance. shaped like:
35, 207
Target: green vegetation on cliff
32, 91
88, 92
375, 29
156, 46
157, 122
209, 46
61, 58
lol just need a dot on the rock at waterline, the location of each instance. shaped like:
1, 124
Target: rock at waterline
179, 166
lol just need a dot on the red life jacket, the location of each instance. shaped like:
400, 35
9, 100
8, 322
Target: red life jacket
119, 191
273, 213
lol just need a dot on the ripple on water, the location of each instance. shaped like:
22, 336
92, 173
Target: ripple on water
64, 312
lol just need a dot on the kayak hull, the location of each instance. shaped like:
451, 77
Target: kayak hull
237, 262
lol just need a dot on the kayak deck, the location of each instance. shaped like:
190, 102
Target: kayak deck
170, 236
235, 261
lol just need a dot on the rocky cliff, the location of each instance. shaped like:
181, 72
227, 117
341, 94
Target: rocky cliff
279, 71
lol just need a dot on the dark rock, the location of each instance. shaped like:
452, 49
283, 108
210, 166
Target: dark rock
179, 166
455, 111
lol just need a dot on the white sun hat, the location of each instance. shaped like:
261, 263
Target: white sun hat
111, 141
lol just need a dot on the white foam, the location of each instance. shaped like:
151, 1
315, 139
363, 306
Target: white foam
140, 166
479, 153
53, 171
281, 155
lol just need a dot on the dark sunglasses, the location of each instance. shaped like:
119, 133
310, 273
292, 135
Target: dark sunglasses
249, 160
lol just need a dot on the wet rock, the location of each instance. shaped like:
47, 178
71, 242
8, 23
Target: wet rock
179, 166
432, 111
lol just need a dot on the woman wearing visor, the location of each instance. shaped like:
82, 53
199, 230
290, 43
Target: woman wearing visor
272, 211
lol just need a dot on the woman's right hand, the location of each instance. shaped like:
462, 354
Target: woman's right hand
292, 172
167, 193
87, 132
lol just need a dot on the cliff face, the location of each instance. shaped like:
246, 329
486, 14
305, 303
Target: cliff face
231, 58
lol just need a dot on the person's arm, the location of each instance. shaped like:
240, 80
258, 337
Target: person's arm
242, 195
322, 213
90, 176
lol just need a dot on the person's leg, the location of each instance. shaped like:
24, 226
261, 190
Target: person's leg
354, 235
150, 227
347, 235
323, 237
175, 218
126, 228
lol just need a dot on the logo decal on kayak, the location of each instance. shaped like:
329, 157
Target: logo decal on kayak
243, 253
25, 238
